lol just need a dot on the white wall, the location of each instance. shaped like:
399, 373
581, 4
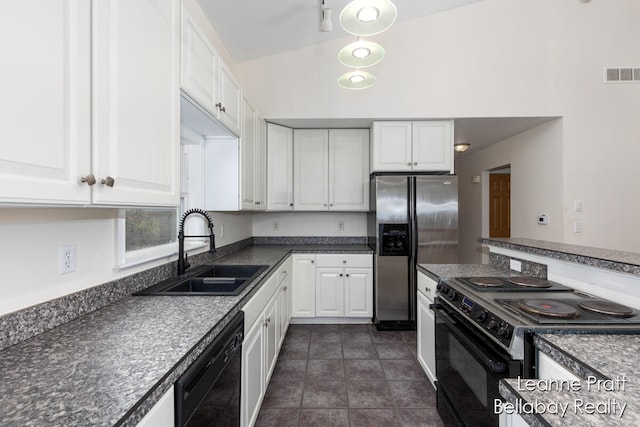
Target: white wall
324, 224
535, 158
490, 59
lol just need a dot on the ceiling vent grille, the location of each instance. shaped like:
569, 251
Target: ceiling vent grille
622, 75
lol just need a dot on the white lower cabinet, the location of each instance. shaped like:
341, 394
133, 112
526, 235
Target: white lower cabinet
267, 317
426, 324
303, 287
253, 384
162, 414
332, 285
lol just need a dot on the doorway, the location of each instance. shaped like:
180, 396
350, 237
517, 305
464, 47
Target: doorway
500, 202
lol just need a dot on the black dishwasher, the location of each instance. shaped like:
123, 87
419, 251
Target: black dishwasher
208, 393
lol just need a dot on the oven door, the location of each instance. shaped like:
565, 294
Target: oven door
469, 367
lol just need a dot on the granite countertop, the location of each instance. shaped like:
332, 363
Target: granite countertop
109, 367
446, 271
612, 359
624, 262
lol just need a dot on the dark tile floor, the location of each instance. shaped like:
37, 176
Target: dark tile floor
348, 375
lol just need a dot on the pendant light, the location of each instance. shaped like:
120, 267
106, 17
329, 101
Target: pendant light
357, 80
361, 54
368, 17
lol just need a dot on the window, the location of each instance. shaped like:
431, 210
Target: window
145, 234
150, 227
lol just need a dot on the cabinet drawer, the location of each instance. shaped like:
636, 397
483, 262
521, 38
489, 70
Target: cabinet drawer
344, 260
426, 286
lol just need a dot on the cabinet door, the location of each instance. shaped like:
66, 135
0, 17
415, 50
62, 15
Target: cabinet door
303, 286
391, 147
271, 336
358, 292
247, 158
46, 101
163, 412
285, 305
310, 167
279, 168
135, 89
229, 98
329, 292
349, 169
253, 374
433, 146
261, 164
426, 338
199, 65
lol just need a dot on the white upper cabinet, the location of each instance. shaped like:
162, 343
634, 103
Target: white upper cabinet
311, 168
229, 99
253, 160
349, 169
206, 78
279, 168
331, 169
423, 146
199, 65
43, 163
136, 102
107, 102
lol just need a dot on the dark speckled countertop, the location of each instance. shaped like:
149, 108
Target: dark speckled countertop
603, 357
109, 367
445, 271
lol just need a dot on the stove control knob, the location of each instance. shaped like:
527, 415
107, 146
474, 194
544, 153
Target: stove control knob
442, 287
452, 295
493, 324
481, 316
504, 331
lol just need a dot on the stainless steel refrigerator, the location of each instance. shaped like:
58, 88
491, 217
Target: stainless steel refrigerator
413, 219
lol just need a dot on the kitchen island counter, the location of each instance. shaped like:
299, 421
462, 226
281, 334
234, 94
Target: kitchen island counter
110, 366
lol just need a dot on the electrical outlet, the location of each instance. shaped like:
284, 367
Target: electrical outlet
341, 226
516, 265
67, 259
276, 226
577, 227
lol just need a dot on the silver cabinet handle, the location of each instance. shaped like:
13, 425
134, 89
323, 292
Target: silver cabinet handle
409, 164
108, 181
415, 163
89, 179
220, 107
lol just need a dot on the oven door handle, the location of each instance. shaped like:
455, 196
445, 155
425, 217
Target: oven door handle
494, 366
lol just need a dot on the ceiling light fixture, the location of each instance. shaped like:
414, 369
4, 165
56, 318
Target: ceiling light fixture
357, 80
461, 147
361, 54
368, 17
325, 25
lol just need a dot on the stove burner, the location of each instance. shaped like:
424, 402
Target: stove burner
607, 307
549, 308
530, 282
486, 282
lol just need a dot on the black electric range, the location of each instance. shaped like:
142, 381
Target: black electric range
504, 308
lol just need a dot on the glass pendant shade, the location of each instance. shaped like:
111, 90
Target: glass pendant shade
357, 80
361, 54
368, 17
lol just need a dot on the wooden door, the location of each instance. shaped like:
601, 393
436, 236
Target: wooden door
500, 205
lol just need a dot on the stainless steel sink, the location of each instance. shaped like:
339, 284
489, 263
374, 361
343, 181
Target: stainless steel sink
208, 280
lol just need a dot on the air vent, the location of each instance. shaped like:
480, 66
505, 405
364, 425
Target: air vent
622, 75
